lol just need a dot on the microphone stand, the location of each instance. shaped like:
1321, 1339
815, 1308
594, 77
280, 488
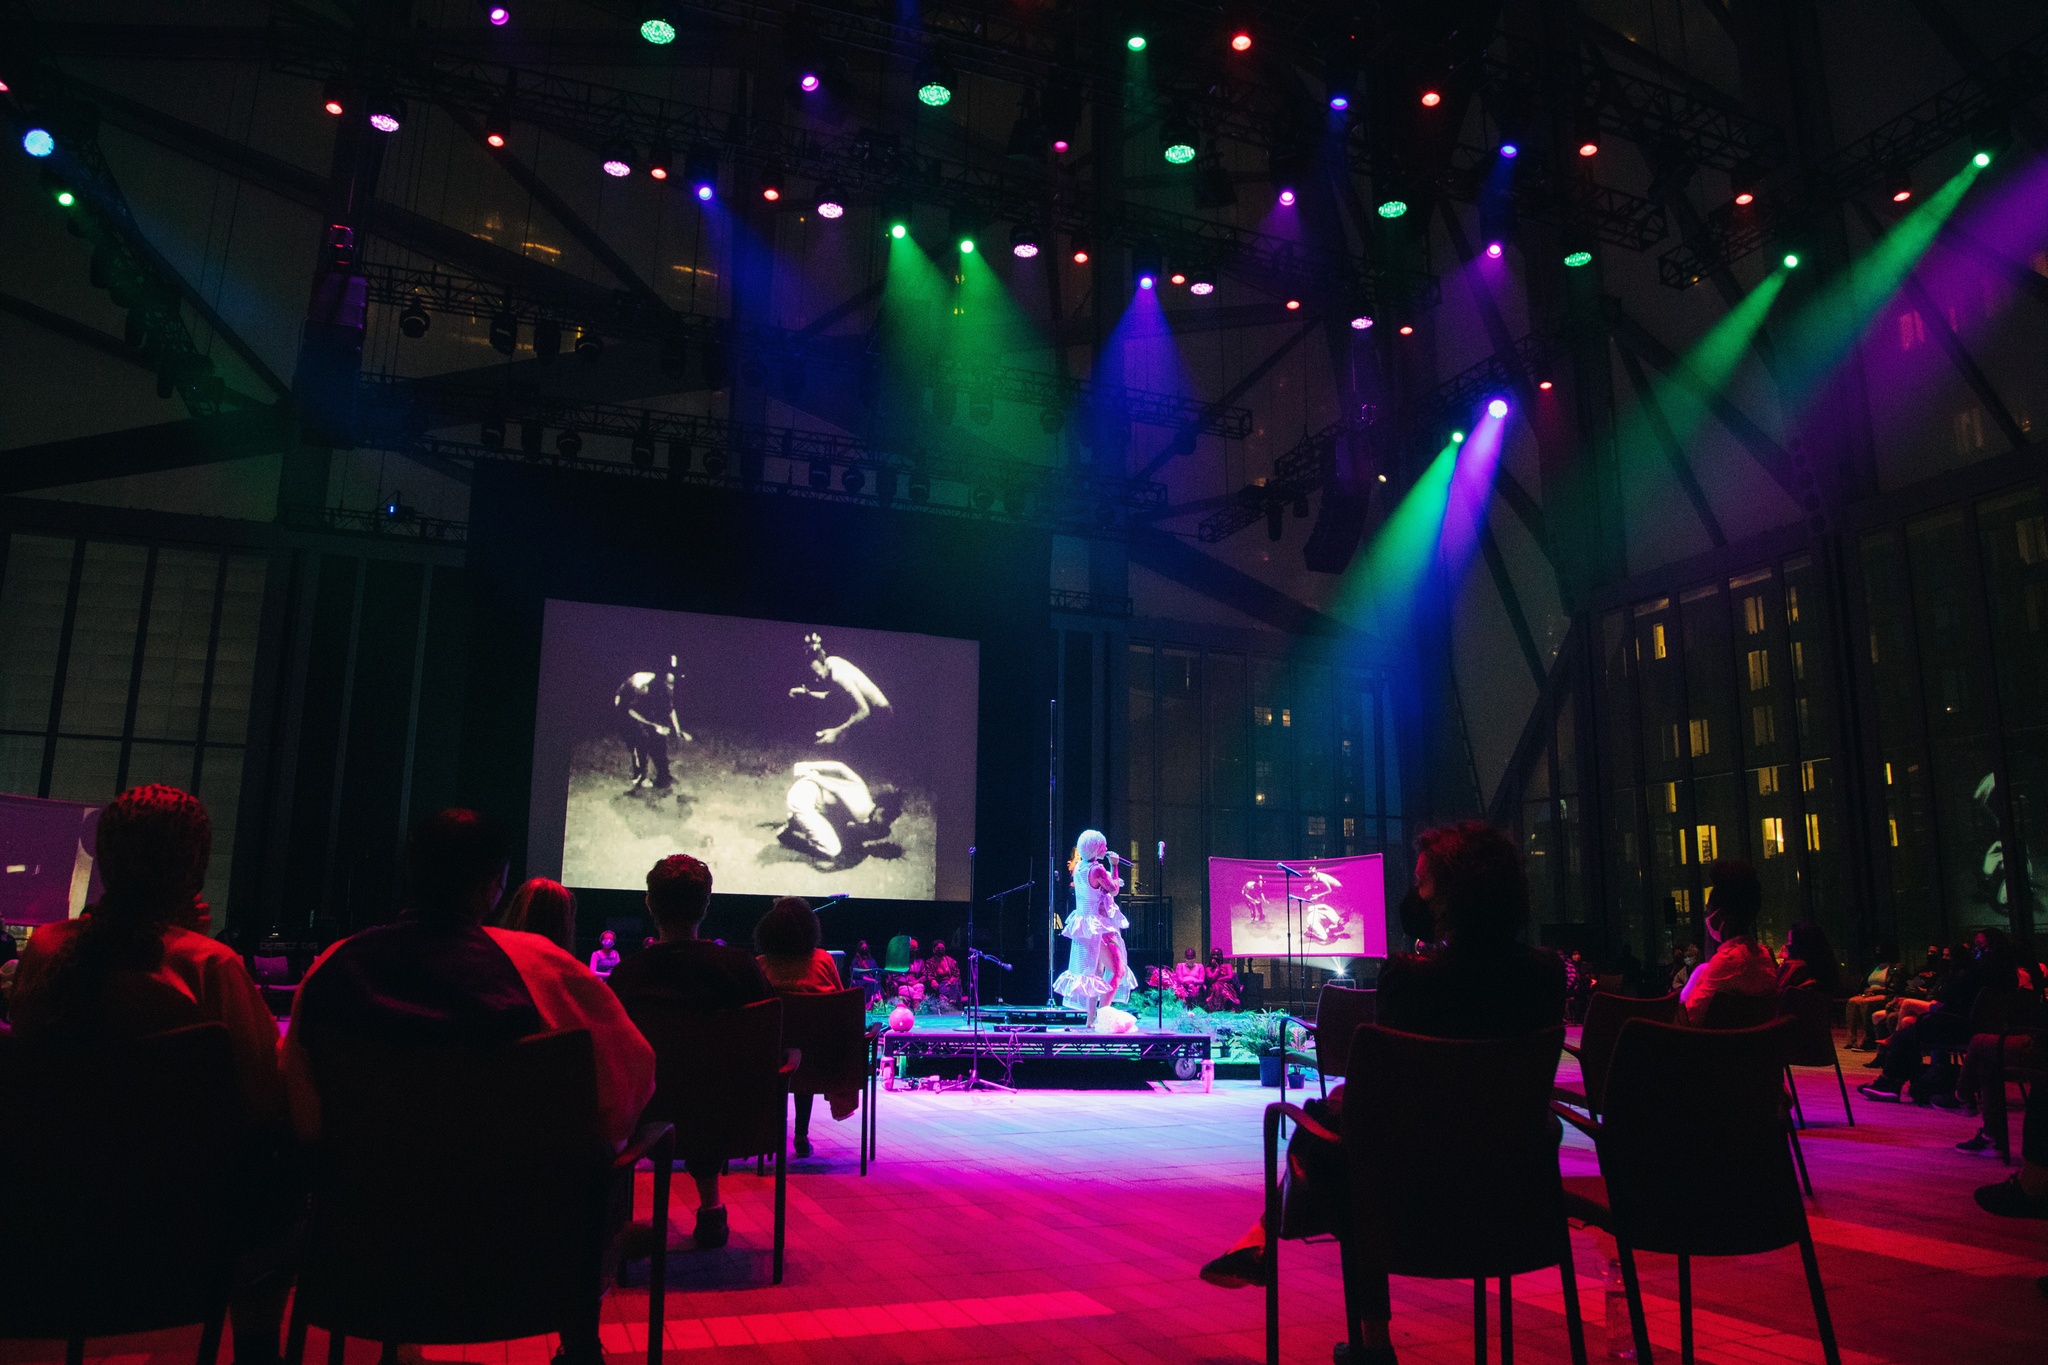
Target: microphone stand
1287, 932
975, 957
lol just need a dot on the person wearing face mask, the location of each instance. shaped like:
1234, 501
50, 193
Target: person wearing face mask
1740, 965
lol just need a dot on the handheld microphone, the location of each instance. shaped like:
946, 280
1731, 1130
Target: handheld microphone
843, 895
1292, 871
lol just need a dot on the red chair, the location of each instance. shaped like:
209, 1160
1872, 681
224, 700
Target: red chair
835, 1048
1452, 1160
1693, 1160
466, 1195
1812, 1043
120, 1214
721, 1077
1605, 1015
1732, 1010
1339, 1012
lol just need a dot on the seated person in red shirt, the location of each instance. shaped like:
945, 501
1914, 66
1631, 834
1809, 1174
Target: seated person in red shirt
437, 976
1740, 965
682, 973
131, 966
1481, 984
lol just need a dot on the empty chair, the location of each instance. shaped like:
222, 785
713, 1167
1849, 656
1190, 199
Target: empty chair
120, 1216
1693, 1160
830, 1034
1605, 1014
1339, 1012
721, 1078
468, 1195
1451, 1157
1812, 1043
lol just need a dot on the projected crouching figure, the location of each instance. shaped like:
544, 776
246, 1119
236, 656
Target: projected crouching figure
645, 707
832, 675
833, 814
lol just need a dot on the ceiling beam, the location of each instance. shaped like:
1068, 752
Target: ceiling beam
1171, 557
146, 450
1674, 453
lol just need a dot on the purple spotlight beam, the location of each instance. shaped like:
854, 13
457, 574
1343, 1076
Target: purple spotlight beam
1497, 408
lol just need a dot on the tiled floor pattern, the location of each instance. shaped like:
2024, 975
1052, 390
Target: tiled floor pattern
1066, 1226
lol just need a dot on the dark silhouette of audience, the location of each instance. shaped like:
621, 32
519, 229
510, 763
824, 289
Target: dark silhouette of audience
787, 939
547, 908
1809, 960
1944, 1028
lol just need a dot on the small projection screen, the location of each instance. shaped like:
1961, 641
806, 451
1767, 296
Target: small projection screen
793, 758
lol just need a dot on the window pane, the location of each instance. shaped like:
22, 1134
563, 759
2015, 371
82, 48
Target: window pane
1894, 674
170, 764
38, 577
1710, 695
21, 764
1229, 767
1180, 724
103, 641
2015, 540
234, 653
174, 655
1144, 744
85, 770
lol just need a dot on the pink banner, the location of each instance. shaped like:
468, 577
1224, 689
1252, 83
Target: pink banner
1334, 907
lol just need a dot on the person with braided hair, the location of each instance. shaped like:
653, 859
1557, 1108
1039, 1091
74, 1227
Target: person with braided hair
133, 965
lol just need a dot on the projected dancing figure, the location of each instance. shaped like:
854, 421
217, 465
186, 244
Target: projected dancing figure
645, 706
833, 814
831, 674
1098, 974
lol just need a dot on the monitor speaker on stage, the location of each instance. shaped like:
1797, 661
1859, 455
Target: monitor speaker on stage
1338, 907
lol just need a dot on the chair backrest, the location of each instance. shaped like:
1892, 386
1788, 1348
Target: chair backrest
1452, 1152
718, 1078
830, 1030
458, 1192
1339, 1012
1732, 1009
897, 959
1812, 1041
2000, 1011
1693, 1141
1605, 1014
121, 1162
272, 971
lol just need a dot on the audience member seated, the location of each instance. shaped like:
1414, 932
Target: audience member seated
1219, 983
1740, 966
682, 973
548, 909
1945, 1026
1482, 984
942, 976
437, 977
1885, 981
129, 967
2024, 1193
605, 960
866, 973
1684, 962
1809, 961
1918, 995
1190, 978
787, 938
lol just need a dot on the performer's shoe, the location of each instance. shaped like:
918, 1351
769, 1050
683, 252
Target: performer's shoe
1238, 1268
713, 1229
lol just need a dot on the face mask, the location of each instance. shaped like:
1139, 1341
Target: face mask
1418, 921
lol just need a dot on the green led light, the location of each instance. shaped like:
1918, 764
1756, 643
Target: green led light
1393, 208
1579, 258
898, 231
935, 94
1457, 437
1180, 154
660, 32
1791, 260
966, 246
1136, 42
1982, 159
66, 198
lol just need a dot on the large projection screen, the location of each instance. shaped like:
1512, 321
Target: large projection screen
799, 759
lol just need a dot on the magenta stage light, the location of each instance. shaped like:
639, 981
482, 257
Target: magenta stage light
1287, 199
1360, 323
1340, 102
1510, 150
1493, 249
499, 16
1497, 408
809, 82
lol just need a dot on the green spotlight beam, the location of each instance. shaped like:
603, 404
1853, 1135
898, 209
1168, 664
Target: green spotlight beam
988, 330
1380, 590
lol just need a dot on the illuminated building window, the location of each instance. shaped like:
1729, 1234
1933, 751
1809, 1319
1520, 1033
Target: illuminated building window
1799, 661
1759, 670
1813, 832
1764, 719
1708, 840
1657, 650
1700, 744
1773, 836
1766, 781
1753, 615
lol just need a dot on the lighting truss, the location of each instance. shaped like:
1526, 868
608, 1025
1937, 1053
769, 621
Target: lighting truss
402, 415
626, 315
1938, 121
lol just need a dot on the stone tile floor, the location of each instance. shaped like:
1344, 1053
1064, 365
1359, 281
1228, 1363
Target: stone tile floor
1061, 1225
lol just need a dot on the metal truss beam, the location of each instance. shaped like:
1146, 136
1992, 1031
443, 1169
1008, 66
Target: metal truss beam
1171, 557
1510, 600
198, 440
1776, 460
1674, 453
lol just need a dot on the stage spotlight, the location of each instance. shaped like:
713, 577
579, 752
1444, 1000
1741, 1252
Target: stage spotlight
1178, 277
820, 475
1431, 98
413, 320
808, 82
1497, 409
1082, 251
1791, 260
1510, 150
65, 196
1742, 185
657, 25
1588, 126
1407, 329
547, 340
1136, 42
490, 433
1990, 132
1023, 241
568, 444
1545, 385
1177, 140
661, 161
1146, 279
1060, 145
37, 142
966, 246
1575, 259
504, 332
643, 450
498, 128
1240, 41
589, 344
1457, 438
899, 230
714, 462
700, 170
831, 202
618, 160
387, 115
1578, 248
772, 177
335, 100
935, 84
919, 486
678, 457
498, 15
1294, 305
1202, 283
1340, 80
853, 479
1339, 101
1981, 160
1494, 249
1898, 184
1287, 199
1145, 266
1362, 322
1392, 208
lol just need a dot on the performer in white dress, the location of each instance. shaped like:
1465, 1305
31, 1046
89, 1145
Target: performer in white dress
1098, 971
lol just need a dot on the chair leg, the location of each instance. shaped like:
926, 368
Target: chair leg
1639, 1326
1348, 1268
337, 1342
1271, 1223
1574, 1324
74, 1351
1479, 1322
209, 1336
1799, 1156
657, 1265
1507, 1320
1792, 1089
295, 1335
1830, 1352
781, 1203
1685, 1309
1842, 1081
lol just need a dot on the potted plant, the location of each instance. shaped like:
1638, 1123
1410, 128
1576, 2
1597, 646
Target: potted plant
1267, 1035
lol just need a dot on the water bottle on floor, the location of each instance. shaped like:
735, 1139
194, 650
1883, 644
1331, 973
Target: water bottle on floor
1621, 1341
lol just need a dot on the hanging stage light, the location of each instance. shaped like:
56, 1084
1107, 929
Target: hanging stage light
935, 83
387, 114
495, 12
1497, 409
1177, 139
490, 433
657, 24
820, 475
1083, 250
1178, 277
1898, 184
660, 161
1742, 185
1136, 42
1241, 41
1392, 206
643, 449
714, 462
1340, 80
700, 170
1286, 198
498, 127
1791, 260
1294, 305
772, 177
1588, 132
618, 159
831, 202
334, 100
1201, 283
1361, 322
1145, 266
853, 480
504, 332
413, 320
808, 82
1432, 97
589, 344
1510, 150
568, 444
1024, 241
